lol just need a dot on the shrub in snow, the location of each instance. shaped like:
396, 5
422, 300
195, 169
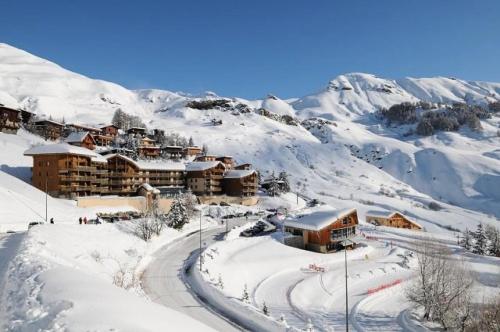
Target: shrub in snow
434, 206
487, 317
245, 297
425, 128
144, 228
220, 283
442, 287
265, 309
466, 240
400, 113
177, 217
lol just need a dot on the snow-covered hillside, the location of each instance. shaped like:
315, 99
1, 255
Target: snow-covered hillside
353, 160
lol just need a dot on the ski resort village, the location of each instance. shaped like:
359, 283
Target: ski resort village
372, 204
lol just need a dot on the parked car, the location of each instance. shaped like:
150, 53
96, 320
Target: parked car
34, 223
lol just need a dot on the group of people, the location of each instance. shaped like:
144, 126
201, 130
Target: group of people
82, 221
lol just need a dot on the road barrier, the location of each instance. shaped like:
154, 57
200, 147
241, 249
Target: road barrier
384, 286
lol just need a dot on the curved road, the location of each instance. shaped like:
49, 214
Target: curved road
163, 279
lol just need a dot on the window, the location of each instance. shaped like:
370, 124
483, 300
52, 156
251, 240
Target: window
340, 234
345, 221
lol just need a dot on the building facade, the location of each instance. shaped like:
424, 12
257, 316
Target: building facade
10, 120
391, 219
204, 178
241, 183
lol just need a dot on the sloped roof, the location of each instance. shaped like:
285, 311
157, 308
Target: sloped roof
50, 121
318, 219
202, 165
151, 165
150, 188
99, 159
238, 173
389, 214
78, 137
59, 148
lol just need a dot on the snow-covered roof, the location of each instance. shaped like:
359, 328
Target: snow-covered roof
89, 128
77, 137
59, 148
99, 159
149, 187
238, 173
389, 214
102, 126
202, 165
318, 219
151, 165
50, 121
173, 146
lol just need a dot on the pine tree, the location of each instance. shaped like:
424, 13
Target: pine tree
220, 283
493, 236
273, 186
480, 241
177, 216
466, 240
204, 150
265, 309
285, 184
245, 297
191, 142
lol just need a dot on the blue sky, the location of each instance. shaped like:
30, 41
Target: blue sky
251, 48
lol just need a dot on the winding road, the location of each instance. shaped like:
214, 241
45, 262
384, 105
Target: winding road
164, 283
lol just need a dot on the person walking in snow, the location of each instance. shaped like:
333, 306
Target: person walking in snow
52, 220
85, 220
80, 220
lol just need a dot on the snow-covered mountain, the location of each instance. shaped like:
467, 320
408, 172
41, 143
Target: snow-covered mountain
348, 158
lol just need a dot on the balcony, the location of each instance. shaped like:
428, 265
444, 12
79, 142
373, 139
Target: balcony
76, 178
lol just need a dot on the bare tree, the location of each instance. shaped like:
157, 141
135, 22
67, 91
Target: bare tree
145, 228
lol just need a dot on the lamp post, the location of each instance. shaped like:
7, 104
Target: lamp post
345, 243
46, 196
201, 258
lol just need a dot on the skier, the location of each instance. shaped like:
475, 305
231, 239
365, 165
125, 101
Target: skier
80, 220
51, 220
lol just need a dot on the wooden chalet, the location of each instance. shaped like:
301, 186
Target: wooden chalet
74, 127
136, 131
127, 175
323, 229
83, 139
391, 219
173, 151
204, 178
101, 181
103, 140
191, 151
10, 120
243, 166
228, 161
206, 157
110, 130
64, 170
148, 149
49, 129
241, 183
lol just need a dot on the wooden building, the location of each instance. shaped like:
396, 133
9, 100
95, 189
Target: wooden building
206, 157
172, 151
101, 180
323, 229
63, 170
243, 166
191, 151
110, 130
49, 129
391, 219
137, 131
127, 175
204, 178
148, 149
83, 139
241, 183
228, 161
103, 140
75, 127
10, 120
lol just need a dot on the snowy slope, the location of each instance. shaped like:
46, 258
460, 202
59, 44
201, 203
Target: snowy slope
457, 168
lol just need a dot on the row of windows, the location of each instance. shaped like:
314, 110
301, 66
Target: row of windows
339, 234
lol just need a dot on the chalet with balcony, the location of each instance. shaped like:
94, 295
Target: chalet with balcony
391, 219
172, 151
148, 149
83, 139
49, 129
63, 170
191, 151
103, 140
246, 166
204, 178
110, 130
206, 157
75, 127
127, 175
227, 161
101, 181
241, 183
10, 120
323, 229
137, 131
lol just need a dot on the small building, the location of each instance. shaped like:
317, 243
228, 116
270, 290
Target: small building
391, 219
110, 130
172, 151
10, 120
136, 131
148, 149
204, 178
83, 128
103, 140
228, 161
241, 183
26, 116
206, 157
191, 151
82, 139
49, 129
243, 166
324, 228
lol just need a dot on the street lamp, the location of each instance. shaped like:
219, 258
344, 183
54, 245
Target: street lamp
345, 243
200, 209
